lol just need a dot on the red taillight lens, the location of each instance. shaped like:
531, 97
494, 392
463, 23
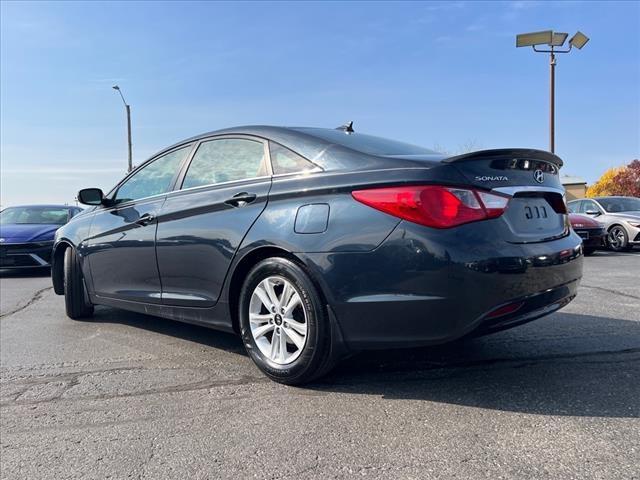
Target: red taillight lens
434, 205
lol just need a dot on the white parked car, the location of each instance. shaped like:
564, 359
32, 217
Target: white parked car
620, 216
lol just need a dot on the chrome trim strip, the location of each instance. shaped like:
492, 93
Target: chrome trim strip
38, 259
511, 191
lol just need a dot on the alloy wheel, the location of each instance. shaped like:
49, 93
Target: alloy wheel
278, 320
616, 238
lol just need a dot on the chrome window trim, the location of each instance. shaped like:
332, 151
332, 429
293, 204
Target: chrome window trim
209, 185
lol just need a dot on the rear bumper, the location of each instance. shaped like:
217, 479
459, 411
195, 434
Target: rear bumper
25, 255
426, 287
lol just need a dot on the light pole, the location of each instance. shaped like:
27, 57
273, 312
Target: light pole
128, 108
555, 41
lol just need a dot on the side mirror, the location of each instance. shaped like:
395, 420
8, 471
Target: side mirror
91, 196
595, 213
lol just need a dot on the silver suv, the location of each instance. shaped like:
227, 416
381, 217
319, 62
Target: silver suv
620, 216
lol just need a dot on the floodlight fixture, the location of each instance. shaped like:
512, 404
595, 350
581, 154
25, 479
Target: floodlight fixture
579, 40
558, 39
534, 38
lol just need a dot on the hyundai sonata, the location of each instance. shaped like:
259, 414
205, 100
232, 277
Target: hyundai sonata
314, 243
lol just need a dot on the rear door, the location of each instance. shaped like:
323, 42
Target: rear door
223, 191
536, 210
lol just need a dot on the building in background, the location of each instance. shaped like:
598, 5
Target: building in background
576, 187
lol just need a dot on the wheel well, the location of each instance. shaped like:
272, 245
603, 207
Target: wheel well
57, 268
247, 263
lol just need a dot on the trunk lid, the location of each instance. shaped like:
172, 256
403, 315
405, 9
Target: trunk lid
536, 211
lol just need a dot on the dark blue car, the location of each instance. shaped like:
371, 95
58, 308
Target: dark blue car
26, 234
314, 243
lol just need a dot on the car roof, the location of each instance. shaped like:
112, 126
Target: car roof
610, 196
307, 142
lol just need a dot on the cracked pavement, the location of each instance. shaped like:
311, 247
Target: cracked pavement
132, 396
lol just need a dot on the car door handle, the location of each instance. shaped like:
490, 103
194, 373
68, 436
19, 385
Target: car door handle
241, 199
145, 219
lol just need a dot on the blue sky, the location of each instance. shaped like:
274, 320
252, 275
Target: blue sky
444, 74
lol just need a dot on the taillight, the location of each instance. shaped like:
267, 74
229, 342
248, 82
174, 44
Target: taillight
433, 205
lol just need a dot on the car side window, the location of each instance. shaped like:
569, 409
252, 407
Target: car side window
588, 206
153, 179
225, 160
284, 161
574, 207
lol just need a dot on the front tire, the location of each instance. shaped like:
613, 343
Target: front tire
283, 322
617, 239
75, 294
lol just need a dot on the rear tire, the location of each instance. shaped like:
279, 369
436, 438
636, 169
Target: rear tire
75, 293
298, 325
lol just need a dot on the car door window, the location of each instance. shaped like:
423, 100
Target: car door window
153, 179
574, 207
225, 160
285, 161
588, 206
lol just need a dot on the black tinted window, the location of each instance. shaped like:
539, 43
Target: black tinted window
367, 143
225, 160
284, 160
153, 179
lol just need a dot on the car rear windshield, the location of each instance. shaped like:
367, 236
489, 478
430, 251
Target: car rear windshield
615, 205
369, 144
34, 215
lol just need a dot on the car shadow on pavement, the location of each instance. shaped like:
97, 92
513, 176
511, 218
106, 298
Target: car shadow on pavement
193, 333
566, 364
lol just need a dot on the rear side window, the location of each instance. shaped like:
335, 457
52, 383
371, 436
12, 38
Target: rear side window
284, 160
153, 179
225, 160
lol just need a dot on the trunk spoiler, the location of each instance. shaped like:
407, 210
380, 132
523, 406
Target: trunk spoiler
526, 153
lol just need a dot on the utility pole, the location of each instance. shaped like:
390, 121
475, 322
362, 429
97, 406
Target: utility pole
553, 40
129, 144
552, 102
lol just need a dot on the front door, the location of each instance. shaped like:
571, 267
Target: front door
121, 245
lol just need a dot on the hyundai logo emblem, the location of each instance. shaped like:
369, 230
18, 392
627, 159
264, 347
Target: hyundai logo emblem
538, 175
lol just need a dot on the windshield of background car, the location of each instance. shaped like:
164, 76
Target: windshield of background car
34, 216
615, 205
367, 143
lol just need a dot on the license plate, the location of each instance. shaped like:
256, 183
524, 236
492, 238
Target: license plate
536, 212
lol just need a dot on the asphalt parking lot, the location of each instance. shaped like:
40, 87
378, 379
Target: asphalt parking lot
131, 396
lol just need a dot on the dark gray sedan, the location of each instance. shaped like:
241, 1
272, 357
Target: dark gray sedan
315, 243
